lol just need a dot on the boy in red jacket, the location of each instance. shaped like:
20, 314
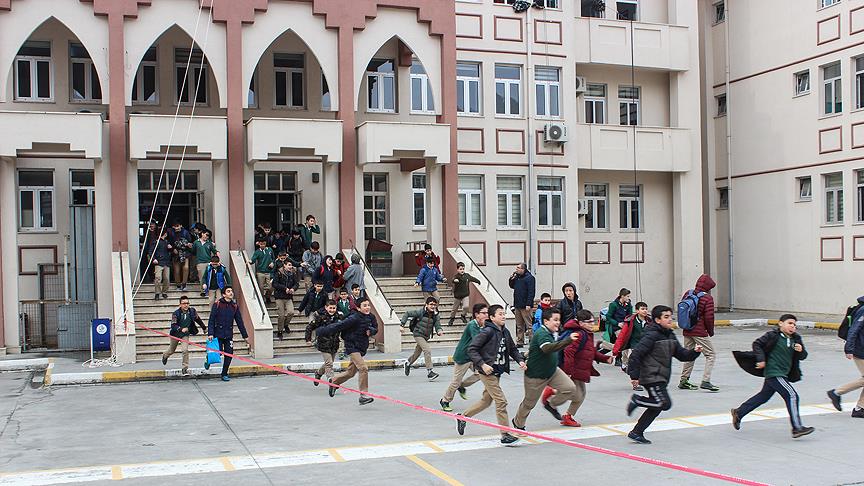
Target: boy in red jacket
579, 359
701, 335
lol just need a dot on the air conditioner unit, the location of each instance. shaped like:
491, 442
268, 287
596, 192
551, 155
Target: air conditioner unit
583, 207
555, 132
581, 85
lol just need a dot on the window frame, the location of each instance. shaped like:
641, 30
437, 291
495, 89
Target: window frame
859, 81
799, 187
833, 195
289, 83
415, 191
466, 89
427, 102
550, 211
467, 193
89, 74
836, 86
508, 88
628, 201
33, 62
139, 79
636, 12
630, 101
200, 69
859, 196
36, 192
547, 87
595, 102
509, 205
719, 15
374, 193
722, 198
381, 76
720, 101
593, 212
796, 77
826, 3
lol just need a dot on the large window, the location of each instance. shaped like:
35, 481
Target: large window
288, 90
859, 82
628, 105
832, 89
802, 82
83, 187
594, 8
509, 194
381, 89
547, 82
471, 201
375, 206
192, 82
36, 200
508, 89
34, 72
468, 88
627, 9
418, 197
145, 90
630, 207
597, 196
834, 198
595, 103
85, 80
421, 91
550, 201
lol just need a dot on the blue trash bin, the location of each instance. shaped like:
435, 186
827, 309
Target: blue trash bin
101, 334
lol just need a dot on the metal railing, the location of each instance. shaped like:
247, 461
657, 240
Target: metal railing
488, 280
379, 290
258, 297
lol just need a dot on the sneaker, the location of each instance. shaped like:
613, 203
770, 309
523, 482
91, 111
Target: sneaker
463, 319
203, 294
184, 372
450, 322
802, 432
736, 420
686, 385
445, 405
279, 335
554, 411
432, 375
858, 412
156, 297
835, 400
331, 390
618, 361
226, 378
164, 360
638, 388
638, 438
568, 421
462, 392
407, 368
164, 296
631, 406
460, 426
364, 400
706, 385
179, 287
513, 423
508, 439
547, 394
206, 365
183, 287
317, 377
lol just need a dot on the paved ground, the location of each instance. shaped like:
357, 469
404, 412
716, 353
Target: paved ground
281, 430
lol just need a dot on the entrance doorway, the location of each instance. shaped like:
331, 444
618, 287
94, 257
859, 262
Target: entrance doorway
277, 200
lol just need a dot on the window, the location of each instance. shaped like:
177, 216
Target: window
859, 193
288, 90
721, 104
149, 180
418, 192
36, 200
34, 72
421, 91
595, 103
805, 188
859, 82
833, 198
191, 83
381, 89
832, 90
470, 201
548, 85
509, 201
719, 12
85, 80
145, 90
326, 97
550, 201
468, 88
827, 3
802, 82
630, 207
628, 105
596, 195
508, 88
722, 198
594, 8
83, 187
265, 181
628, 9
537, 3
375, 206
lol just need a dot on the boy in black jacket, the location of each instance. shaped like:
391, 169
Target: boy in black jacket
314, 299
651, 365
778, 353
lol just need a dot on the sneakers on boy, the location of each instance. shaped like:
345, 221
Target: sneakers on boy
552, 410
226, 378
858, 412
445, 405
706, 385
631, 406
156, 297
407, 368
432, 375
686, 385
835, 400
638, 438
364, 400
508, 439
164, 360
331, 390
513, 423
460, 426
569, 421
736, 420
450, 323
802, 432
317, 377
462, 392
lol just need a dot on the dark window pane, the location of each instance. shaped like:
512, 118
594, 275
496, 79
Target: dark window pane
556, 210
78, 75
36, 48
79, 197
367, 182
543, 212
78, 51
259, 181
24, 90
499, 98
281, 88
289, 181
190, 181
416, 94
149, 94
201, 85
26, 204
43, 79
182, 85
288, 60
46, 209
273, 181
460, 96
474, 97
82, 178
297, 89
97, 87
373, 92
36, 178
144, 180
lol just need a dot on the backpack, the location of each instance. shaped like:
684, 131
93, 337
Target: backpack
688, 310
566, 335
843, 330
413, 324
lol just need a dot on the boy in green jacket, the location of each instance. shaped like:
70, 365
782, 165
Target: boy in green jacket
461, 361
461, 291
204, 250
424, 322
263, 261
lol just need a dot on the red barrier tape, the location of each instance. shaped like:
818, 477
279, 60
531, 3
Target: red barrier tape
578, 445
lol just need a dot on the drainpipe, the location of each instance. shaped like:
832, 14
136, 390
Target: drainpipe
529, 75
730, 195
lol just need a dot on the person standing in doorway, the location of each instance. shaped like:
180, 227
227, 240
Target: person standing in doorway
523, 285
307, 229
422, 323
183, 321
854, 350
285, 283
701, 334
461, 362
263, 261
356, 330
461, 290
224, 313
160, 256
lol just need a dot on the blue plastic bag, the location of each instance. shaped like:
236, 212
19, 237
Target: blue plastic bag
213, 356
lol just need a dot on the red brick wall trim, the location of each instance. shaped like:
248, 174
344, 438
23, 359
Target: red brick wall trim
23, 248
606, 261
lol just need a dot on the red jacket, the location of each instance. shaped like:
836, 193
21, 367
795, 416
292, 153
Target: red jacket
623, 340
705, 324
579, 364
338, 274
420, 259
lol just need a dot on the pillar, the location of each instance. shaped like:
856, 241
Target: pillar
435, 208
329, 220
117, 129
236, 190
450, 175
348, 166
9, 339
222, 213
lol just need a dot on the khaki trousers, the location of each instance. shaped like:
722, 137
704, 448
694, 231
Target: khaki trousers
201, 268
184, 348
426, 295
566, 391
357, 365
263, 282
854, 385
326, 369
212, 295
285, 311
690, 342
160, 279
459, 371
181, 272
491, 393
459, 305
524, 321
422, 347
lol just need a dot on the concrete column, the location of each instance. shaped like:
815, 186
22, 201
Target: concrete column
236, 190
449, 189
131, 207
102, 218
332, 208
221, 215
249, 205
348, 166
435, 208
9, 338
117, 129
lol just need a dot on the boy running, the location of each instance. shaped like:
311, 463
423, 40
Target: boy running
461, 362
424, 322
356, 330
461, 291
327, 345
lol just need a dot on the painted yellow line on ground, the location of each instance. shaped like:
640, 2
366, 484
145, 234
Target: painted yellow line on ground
610, 429
433, 446
336, 455
434, 471
689, 422
116, 473
226, 462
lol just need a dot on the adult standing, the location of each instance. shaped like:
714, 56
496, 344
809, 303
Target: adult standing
854, 350
224, 313
523, 285
700, 334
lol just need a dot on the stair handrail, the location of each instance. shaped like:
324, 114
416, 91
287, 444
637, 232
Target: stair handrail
488, 280
379, 290
258, 297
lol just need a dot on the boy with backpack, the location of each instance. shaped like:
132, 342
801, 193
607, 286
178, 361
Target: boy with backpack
314, 299
461, 291
545, 303
631, 333
327, 345
777, 354
651, 366
216, 277
461, 362
854, 350
424, 322
698, 329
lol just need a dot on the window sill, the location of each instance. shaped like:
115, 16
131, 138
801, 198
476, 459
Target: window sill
721, 209
856, 110
597, 230
803, 200
631, 231
720, 116
819, 9
509, 117
833, 225
34, 100
471, 228
829, 115
85, 102
799, 95
289, 108
381, 112
510, 228
425, 113
418, 228
551, 228
145, 103
23, 231
470, 115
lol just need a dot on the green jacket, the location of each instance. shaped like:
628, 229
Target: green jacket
460, 356
543, 354
306, 234
203, 251
462, 285
612, 324
262, 260
426, 324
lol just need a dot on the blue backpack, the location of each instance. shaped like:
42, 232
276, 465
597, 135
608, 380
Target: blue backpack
688, 310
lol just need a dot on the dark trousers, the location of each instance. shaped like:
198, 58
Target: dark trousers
771, 386
226, 346
657, 401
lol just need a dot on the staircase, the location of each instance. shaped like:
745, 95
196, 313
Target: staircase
294, 341
403, 296
156, 314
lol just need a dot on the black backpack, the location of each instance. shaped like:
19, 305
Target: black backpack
843, 330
